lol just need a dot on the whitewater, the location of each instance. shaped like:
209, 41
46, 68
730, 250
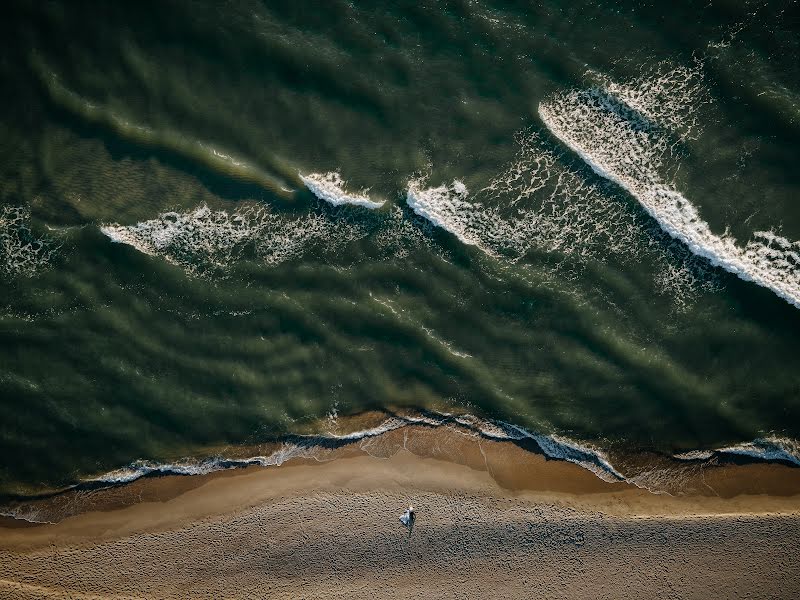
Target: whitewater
625, 133
330, 187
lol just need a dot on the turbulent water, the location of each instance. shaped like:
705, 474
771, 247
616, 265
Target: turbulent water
225, 225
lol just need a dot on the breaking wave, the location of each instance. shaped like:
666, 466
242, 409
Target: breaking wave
538, 204
500, 221
330, 187
628, 133
446, 206
203, 239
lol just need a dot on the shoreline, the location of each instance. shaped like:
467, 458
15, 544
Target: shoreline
513, 466
485, 517
330, 530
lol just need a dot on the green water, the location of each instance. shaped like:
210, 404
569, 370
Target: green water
169, 283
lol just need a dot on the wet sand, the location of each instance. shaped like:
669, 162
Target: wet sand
493, 519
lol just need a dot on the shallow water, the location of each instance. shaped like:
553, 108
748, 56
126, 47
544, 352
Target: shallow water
220, 225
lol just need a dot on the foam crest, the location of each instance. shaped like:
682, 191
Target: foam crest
203, 239
330, 187
769, 449
195, 239
22, 252
446, 206
285, 452
176, 236
475, 223
140, 469
621, 133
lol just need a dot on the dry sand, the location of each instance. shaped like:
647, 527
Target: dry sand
492, 522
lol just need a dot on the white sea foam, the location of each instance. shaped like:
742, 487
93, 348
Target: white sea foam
203, 239
315, 447
21, 251
561, 448
140, 469
695, 455
182, 238
556, 209
626, 134
536, 203
474, 221
767, 448
331, 188
446, 206
400, 232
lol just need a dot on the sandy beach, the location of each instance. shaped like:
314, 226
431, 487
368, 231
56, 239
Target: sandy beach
513, 525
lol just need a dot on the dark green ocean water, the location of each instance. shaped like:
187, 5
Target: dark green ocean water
225, 222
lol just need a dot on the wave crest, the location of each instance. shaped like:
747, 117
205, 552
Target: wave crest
330, 187
446, 206
626, 133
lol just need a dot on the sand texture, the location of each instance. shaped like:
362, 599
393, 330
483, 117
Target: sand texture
331, 530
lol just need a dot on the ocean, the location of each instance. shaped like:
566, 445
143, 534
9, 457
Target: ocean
296, 224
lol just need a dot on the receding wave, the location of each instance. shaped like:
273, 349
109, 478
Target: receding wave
330, 187
318, 446
626, 133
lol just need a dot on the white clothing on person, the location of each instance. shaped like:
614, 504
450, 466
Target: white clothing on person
408, 516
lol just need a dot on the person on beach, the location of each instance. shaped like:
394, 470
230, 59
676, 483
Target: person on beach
408, 518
